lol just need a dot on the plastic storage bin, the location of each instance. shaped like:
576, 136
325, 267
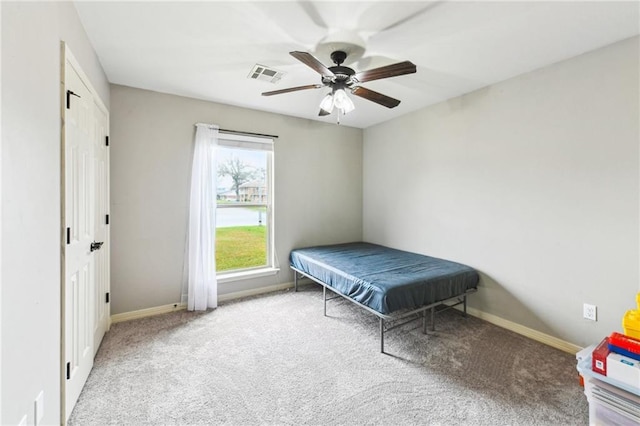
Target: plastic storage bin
609, 405
631, 323
601, 414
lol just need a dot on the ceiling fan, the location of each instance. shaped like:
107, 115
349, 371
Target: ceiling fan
342, 78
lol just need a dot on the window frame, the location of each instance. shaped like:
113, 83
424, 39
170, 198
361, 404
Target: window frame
253, 143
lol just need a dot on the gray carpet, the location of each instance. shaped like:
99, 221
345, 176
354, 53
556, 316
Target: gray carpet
275, 359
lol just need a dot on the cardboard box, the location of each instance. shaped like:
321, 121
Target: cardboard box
624, 369
599, 357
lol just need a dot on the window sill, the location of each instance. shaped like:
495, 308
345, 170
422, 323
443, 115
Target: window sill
246, 275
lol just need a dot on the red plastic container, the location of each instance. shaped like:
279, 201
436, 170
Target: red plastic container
599, 357
624, 345
625, 342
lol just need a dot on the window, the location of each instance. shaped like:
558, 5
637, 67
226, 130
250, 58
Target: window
244, 215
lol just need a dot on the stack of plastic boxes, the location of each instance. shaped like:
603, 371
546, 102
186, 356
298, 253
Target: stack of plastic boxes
611, 373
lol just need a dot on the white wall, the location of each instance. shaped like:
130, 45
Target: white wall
30, 152
318, 189
534, 181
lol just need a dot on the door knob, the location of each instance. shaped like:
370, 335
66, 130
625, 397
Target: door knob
96, 245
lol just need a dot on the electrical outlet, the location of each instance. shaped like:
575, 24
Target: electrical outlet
589, 312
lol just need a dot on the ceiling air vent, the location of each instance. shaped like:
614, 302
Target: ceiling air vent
260, 72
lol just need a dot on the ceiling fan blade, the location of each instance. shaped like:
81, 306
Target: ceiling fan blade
293, 89
310, 61
376, 97
313, 13
322, 113
411, 16
401, 68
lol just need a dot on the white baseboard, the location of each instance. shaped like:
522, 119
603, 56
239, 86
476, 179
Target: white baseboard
158, 310
254, 292
149, 312
525, 331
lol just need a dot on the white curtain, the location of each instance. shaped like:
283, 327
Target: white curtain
202, 288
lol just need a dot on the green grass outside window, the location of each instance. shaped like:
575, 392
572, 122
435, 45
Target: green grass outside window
240, 247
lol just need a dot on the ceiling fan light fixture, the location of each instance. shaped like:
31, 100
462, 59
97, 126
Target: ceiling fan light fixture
342, 101
327, 103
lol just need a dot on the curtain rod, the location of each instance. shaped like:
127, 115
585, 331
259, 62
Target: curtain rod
246, 133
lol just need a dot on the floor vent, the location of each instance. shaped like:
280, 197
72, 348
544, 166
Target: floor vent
260, 72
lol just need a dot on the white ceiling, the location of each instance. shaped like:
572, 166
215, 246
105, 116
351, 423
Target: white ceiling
206, 50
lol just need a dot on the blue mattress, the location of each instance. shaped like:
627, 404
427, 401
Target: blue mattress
384, 279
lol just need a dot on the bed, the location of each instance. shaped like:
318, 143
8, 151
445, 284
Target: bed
392, 284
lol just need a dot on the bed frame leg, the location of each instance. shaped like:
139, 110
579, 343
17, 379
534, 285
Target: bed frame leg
381, 335
464, 300
295, 281
324, 297
424, 322
433, 318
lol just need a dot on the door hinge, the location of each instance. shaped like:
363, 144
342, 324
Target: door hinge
68, 235
106, 140
69, 94
107, 219
68, 370
107, 298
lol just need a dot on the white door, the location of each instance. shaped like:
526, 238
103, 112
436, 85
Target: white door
101, 221
79, 213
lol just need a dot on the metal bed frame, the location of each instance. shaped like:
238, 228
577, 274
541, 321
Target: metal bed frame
458, 300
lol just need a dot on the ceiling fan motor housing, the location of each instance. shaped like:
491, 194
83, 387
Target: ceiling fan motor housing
338, 57
342, 74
